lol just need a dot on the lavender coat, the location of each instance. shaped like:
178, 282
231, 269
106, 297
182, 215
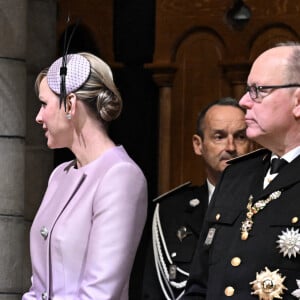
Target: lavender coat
85, 235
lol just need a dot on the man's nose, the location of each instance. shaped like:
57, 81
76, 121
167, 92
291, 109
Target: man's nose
246, 101
230, 144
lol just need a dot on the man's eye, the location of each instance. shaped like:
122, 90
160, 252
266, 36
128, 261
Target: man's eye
263, 91
242, 137
218, 137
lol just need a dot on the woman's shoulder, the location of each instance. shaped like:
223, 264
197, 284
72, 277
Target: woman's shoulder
118, 156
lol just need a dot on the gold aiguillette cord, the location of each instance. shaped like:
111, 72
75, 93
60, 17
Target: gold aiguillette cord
253, 209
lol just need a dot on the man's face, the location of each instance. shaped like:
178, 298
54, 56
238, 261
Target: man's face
269, 116
224, 130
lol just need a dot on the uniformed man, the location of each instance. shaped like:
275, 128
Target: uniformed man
179, 213
250, 244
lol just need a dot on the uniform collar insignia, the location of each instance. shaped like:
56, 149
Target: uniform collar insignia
182, 233
194, 202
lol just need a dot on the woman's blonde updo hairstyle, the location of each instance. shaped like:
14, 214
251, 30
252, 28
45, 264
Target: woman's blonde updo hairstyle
99, 92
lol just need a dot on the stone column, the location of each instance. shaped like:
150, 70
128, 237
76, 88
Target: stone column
40, 53
12, 141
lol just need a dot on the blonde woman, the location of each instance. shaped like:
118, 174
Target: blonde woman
85, 234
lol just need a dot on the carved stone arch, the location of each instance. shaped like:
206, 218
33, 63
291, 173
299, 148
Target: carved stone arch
268, 37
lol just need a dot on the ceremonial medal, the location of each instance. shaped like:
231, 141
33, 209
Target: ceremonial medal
182, 233
289, 242
296, 293
253, 209
268, 285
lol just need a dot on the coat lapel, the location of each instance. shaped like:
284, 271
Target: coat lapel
194, 214
287, 177
66, 186
257, 173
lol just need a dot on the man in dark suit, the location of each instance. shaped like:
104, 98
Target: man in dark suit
179, 213
250, 244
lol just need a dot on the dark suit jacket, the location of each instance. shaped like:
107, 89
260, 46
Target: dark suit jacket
213, 269
176, 212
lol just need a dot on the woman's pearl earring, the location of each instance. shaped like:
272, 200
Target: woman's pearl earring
69, 117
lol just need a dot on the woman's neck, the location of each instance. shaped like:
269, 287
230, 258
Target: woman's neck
90, 144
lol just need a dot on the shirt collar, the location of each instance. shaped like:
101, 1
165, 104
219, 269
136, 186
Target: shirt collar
289, 156
211, 189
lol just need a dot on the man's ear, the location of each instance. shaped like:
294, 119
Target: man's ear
197, 144
296, 109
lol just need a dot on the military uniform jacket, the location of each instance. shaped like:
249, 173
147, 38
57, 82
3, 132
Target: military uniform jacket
224, 264
181, 214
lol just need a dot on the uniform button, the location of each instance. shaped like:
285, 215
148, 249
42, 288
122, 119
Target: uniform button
235, 261
44, 232
194, 202
218, 216
229, 291
44, 296
295, 220
173, 254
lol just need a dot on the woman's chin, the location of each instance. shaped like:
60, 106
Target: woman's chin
50, 144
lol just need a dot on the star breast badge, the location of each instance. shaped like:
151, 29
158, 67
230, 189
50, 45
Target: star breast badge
268, 285
296, 293
289, 242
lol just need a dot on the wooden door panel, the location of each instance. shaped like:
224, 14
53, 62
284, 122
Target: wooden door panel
198, 81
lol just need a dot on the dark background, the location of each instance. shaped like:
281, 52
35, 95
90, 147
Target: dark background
137, 127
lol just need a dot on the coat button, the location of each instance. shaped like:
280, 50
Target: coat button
44, 232
218, 216
295, 220
44, 296
236, 261
229, 291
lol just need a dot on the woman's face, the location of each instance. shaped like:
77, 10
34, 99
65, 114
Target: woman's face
53, 118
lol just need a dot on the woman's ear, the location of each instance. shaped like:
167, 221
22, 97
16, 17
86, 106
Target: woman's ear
71, 104
197, 144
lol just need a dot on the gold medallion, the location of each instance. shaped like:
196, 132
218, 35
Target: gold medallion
268, 285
